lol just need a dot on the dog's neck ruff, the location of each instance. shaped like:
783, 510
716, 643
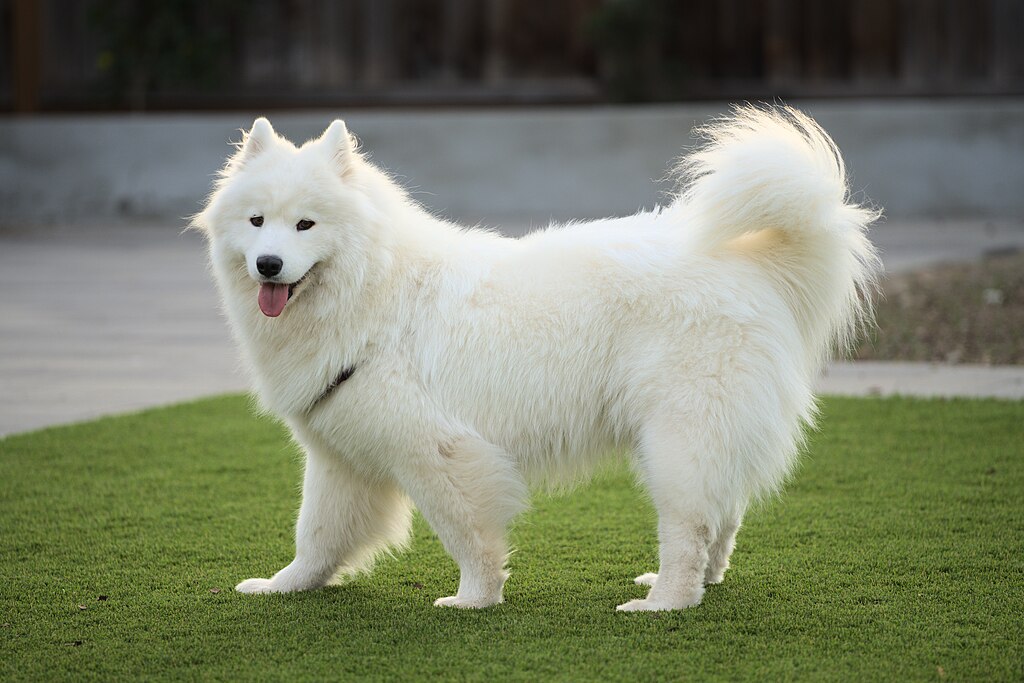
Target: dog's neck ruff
335, 383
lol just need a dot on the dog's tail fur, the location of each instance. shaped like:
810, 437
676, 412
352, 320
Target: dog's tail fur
770, 184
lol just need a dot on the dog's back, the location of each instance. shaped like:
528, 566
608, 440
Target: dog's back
720, 310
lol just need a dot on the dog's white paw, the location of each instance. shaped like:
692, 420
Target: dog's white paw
647, 579
465, 603
715, 575
656, 605
252, 586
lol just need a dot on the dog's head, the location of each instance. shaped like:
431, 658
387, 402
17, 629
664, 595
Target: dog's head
279, 214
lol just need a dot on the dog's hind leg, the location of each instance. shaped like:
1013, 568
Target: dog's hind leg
469, 491
720, 550
343, 522
718, 556
674, 464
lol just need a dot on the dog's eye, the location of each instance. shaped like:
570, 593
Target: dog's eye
256, 220
304, 224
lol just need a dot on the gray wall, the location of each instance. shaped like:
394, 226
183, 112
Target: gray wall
511, 167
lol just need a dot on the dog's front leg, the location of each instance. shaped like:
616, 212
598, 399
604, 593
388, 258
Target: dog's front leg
343, 522
468, 490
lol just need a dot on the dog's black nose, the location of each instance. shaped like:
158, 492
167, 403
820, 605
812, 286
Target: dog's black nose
269, 266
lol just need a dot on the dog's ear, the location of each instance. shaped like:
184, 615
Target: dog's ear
259, 137
338, 143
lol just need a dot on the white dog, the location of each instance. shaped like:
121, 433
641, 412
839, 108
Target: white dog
422, 363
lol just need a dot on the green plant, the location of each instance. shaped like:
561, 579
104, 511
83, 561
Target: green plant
147, 47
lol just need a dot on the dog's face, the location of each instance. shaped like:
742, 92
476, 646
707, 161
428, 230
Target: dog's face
281, 213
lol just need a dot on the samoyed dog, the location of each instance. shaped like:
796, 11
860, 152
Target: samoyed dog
420, 363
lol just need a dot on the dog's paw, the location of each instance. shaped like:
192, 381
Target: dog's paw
652, 606
660, 604
466, 603
647, 579
252, 586
714, 575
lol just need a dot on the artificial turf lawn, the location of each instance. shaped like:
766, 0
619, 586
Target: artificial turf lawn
897, 552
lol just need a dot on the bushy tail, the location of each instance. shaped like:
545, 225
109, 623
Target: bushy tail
771, 184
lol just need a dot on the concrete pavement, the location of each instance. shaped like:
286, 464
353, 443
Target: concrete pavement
875, 378
104, 320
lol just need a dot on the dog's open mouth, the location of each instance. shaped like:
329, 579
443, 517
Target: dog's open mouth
274, 296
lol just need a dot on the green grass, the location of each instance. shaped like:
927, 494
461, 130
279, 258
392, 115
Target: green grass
897, 553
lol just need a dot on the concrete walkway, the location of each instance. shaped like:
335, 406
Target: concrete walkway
96, 321
874, 378
100, 321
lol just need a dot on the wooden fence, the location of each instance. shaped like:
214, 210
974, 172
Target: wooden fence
124, 54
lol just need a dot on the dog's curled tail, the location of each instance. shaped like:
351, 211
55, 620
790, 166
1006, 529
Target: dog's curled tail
770, 184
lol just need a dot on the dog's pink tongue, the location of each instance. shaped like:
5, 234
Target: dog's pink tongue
273, 297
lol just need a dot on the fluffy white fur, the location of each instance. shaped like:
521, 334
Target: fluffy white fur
690, 336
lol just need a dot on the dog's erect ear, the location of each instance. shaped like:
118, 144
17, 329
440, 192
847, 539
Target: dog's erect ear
337, 142
259, 137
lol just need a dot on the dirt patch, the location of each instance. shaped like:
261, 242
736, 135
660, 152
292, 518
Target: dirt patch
952, 314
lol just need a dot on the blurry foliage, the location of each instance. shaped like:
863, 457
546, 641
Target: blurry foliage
165, 44
633, 39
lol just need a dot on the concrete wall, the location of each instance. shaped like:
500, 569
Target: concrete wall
512, 167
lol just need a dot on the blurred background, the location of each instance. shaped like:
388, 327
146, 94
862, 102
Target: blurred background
172, 55
114, 115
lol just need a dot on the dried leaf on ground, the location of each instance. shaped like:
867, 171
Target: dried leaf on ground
961, 313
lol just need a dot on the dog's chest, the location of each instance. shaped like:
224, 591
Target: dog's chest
369, 414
